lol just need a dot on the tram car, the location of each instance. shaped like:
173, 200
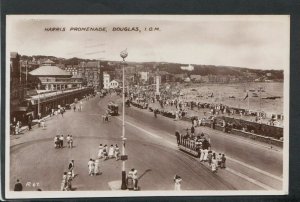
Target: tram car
113, 109
189, 146
193, 146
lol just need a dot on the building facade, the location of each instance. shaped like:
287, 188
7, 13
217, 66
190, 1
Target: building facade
114, 84
144, 76
106, 81
54, 78
90, 72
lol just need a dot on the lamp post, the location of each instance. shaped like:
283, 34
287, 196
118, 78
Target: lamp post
38, 101
123, 55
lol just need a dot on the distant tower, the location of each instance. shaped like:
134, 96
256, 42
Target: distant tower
157, 85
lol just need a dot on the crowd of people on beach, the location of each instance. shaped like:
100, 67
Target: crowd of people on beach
177, 102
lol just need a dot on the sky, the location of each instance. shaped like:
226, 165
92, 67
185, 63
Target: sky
259, 42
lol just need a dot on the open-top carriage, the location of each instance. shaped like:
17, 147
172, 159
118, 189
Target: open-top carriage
193, 146
113, 109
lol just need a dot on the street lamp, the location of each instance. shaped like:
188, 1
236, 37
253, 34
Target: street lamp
123, 55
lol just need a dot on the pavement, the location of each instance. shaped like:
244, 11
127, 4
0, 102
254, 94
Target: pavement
151, 149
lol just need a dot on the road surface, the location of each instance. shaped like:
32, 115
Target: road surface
151, 148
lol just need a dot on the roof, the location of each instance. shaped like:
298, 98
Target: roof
49, 71
48, 62
77, 76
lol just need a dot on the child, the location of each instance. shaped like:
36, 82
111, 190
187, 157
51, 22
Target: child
64, 182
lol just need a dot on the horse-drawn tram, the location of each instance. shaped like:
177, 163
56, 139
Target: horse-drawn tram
113, 109
193, 145
189, 147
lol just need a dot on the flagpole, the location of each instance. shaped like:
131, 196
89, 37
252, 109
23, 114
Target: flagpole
248, 102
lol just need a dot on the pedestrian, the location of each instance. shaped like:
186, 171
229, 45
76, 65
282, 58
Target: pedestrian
214, 163
29, 122
130, 183
14, 123
17, 128
223, 161
105, 151
18, 186
91, 166
117, 152
71, 141
199, 122
155, 113
176, 115
56, 142
195, 122
43, 123
205, 146
177, 181
80, 105
63, 185
71, 167
97, 167
74, 108
62, 112
100, 152
177, 134
69, 181
61, 139
135, 179
111, 151
68, 140
219, 159
209, 157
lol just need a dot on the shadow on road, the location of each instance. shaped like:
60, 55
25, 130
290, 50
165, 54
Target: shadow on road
144, 173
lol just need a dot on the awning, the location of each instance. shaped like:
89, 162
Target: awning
21, 109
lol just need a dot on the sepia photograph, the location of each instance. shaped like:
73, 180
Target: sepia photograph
147, 105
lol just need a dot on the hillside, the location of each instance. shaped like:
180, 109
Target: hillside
174, 68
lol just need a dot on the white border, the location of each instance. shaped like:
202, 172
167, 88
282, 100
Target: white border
87, 194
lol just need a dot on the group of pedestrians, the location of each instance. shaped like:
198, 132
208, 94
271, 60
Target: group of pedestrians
109, 152
94, 167
216, 161
59, 141
66, 184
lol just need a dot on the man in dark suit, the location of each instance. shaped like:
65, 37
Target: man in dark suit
18, 186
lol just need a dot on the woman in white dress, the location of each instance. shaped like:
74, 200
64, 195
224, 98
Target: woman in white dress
97, 167
214, 163
100, 152
111, 151
177, 180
